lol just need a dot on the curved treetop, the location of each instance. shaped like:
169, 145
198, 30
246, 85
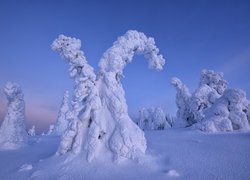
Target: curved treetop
69, 49
126, 46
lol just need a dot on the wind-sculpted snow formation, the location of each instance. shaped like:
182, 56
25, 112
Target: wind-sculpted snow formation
12, 131
99, 121
62, 121
212, 107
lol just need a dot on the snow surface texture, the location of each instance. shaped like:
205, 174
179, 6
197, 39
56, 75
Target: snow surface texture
62, 121
212, 107
32, 131
100, 120
12, 131
154, 119
172, 154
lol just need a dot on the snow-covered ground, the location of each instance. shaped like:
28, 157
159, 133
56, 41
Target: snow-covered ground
171, 154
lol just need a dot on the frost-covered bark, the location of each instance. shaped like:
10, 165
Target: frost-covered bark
211, 87
62, 121
228, 113
153, 119
12, 131
184, 117
127, 139
99, 119
32, 131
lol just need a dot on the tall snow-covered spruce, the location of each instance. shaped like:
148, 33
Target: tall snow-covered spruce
99, 120
184, 116
12, 131
62, 121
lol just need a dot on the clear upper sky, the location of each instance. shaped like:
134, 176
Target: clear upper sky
192, 35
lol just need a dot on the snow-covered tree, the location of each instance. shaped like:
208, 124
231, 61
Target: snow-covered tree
99, 114
85, 121
51, 129
127, 139
228, 113
191, 107
32, 131
143, 120
62, 121
211, 87
184, 117
153, 119
12, 131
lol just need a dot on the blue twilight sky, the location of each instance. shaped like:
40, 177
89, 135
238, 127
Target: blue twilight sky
192, 35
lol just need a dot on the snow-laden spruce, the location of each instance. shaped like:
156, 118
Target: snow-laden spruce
154, 119
99, 120
228, 113
12, 131
32, 131
62, 121
184, 116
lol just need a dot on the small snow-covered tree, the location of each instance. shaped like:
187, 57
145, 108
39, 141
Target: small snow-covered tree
228, 113
12, 131
159, 119
211, 87
153, 119
51, 129
62, 121
143, 120
99, 114
184, 117
32, 131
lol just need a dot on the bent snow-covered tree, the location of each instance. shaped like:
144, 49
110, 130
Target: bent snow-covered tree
62, 121
99, 119
12, 131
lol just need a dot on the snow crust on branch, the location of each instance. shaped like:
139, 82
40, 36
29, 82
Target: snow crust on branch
12, 131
